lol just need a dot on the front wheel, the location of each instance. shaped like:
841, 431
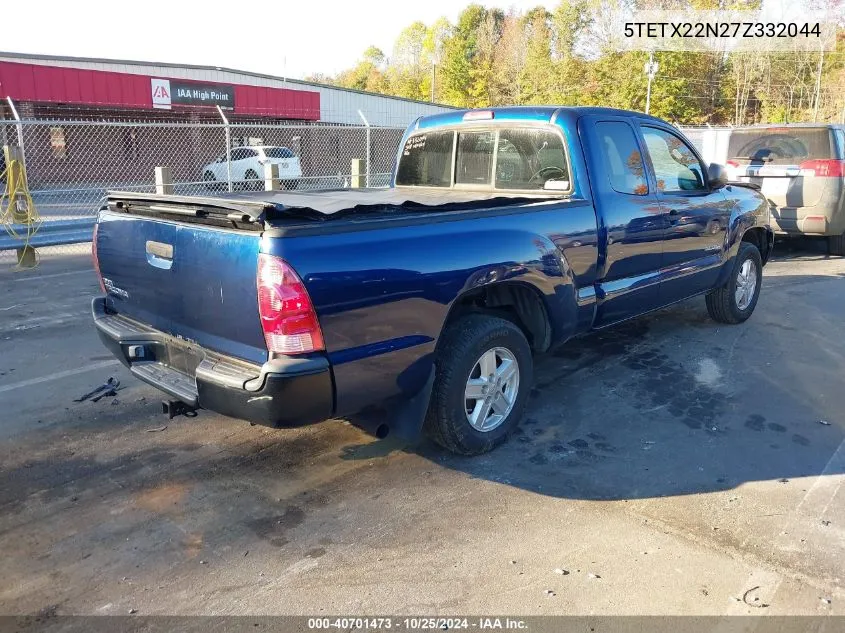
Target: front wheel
735, 301
484, 372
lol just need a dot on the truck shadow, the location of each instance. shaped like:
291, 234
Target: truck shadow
675, 404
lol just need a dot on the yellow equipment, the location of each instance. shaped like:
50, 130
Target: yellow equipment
17, 208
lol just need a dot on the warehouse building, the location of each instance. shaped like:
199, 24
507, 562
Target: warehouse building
46, 85
322, 124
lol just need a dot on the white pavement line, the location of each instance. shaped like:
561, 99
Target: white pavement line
71, 272
37, 321
817, 499
827, 484
57, 376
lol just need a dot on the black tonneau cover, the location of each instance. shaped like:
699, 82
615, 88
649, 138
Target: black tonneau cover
255, 207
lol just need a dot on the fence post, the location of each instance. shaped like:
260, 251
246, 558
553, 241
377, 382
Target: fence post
20, 129
367, 124
356, 173
164, 180
271, 177
228, 147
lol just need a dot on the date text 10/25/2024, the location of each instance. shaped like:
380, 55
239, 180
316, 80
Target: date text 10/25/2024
417, 624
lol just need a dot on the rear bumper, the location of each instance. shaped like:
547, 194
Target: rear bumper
811, 225
805, 221
282, 392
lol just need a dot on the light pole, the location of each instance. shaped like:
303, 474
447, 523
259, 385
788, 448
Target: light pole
650, 71
433, 76
818, 86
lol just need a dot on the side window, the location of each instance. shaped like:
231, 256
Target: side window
475, 158
237, 154
531, 158
623, 160
676, 167
250, 153
426, 160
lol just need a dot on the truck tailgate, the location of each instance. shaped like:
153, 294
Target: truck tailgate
192, 281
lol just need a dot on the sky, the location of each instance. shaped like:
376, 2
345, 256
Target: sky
277, 37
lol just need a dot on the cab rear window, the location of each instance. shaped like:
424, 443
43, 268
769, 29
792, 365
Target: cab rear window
780, 146
525, 158
426, 160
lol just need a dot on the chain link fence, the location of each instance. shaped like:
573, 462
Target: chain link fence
70, 164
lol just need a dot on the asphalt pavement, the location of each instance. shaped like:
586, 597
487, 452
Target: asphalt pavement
671, 465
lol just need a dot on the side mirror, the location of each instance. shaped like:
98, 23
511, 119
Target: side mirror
717, 175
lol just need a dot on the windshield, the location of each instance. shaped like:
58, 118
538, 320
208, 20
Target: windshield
278, 152
780, 146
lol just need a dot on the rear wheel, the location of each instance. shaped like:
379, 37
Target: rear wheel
836, 245
209, 180
735, 301
484, 374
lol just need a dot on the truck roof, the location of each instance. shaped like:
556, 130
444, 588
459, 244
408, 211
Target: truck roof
524, 113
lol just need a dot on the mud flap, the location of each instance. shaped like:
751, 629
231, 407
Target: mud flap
401, 418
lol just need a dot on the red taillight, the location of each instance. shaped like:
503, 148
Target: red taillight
287, 315
732, 163
826, 168
97, 259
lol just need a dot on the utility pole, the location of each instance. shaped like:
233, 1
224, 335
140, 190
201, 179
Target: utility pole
651, 67
433, 75
818, 86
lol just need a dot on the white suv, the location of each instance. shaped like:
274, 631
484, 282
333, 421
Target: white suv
248, 167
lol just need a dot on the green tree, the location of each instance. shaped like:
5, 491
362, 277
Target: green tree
408, 67
539, 71
460, 50
368, 74
572, 56
510, 60
433, 45
483, 89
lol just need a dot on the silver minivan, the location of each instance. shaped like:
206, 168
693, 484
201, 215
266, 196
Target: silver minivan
800, 168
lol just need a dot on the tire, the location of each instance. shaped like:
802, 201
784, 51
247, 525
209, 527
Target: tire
251, 182
209, 180
836, 245
462, 350
727, 304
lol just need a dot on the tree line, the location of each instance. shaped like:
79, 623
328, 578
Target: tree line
568, 56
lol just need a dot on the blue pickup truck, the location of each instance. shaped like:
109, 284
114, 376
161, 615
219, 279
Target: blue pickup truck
504, 232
